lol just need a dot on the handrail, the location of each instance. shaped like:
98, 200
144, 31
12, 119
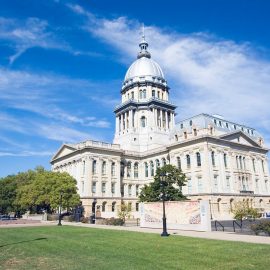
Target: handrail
217, 222
239, 225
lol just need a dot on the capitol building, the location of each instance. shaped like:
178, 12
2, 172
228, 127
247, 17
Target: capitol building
224, 162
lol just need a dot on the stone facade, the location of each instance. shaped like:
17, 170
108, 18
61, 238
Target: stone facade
224, 162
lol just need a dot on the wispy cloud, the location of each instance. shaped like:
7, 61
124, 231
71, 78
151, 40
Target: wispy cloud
207, 74
29, 33
26, 153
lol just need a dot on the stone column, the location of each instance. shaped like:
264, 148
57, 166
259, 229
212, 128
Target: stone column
166, 120
117, 124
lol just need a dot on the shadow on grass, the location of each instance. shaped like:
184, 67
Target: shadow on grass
37, 239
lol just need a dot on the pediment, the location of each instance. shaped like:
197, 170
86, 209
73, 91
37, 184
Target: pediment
63, 151
240, 137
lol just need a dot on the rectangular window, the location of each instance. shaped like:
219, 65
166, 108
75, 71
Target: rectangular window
113, 188
113, 169
82, 186
137, 190
228, 184
137, 207
189, 186
215, 187
129, 190
257, 185
200, 185
103, 187
94, 186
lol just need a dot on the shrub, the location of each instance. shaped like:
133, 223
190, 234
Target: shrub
52, 217
84, 219
68, 218
262, 226
112, 221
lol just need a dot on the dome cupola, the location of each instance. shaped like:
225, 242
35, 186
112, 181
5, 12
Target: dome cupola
144, 69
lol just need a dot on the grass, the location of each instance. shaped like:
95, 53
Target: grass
69, 247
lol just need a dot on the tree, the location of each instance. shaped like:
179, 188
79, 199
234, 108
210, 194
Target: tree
43, 192
175, 179
124, 211
242, 210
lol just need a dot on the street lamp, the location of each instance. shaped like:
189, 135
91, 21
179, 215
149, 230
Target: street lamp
60, 209
163, 182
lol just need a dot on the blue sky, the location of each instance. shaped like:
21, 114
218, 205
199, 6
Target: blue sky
62, 64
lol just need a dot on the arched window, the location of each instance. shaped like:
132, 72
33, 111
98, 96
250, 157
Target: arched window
153, 93
132, 95
157, 163
152, 168
185, 135
146, 169
195, 132
103, 206
163, 161
103, 168
141, 94
143, 121
213, 158
244, 163
113, 169
94, 167
136, 170
128, 169
225, 160
190, 122
188, 161
237, 164
83, 167
178, 163
198, 156
144, 93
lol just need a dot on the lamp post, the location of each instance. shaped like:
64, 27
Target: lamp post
60, 209
163, 177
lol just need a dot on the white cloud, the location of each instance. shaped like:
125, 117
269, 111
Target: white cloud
29, 33
26, 153
207, 74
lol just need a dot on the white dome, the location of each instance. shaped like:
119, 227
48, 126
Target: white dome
144, 67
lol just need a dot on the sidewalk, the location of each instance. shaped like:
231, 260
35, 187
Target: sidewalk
227, 236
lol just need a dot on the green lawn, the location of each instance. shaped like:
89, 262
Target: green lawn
86, 248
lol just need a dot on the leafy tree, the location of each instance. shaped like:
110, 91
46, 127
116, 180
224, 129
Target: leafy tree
124, 211
175, 179
43, 192
37, 190
242, 209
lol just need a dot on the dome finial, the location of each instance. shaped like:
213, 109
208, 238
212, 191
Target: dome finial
143, 45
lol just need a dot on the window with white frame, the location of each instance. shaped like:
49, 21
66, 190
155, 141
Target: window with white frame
103, 187
215, 187
113, 188
178, 163
200, 184
228, 184
94, 167
152, 169
113, 169
136, 170
146, 169
103, 168
189, 185
129, 190
94, 187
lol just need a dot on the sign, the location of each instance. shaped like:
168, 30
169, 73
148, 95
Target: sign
185, 215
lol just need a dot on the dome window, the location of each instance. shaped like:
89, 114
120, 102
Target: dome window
143, 121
